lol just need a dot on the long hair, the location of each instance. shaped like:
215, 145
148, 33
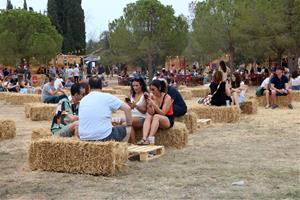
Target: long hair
237, 82
160, 85
142, 83
217, 77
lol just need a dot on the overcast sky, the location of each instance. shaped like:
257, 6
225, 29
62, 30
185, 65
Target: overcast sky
98, 13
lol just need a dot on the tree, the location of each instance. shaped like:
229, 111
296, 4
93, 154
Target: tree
9, 5
148, 31
68, 18
25, 5
26, 34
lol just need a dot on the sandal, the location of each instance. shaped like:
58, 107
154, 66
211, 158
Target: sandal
143, 142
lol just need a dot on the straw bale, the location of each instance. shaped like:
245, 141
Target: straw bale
7, 129
249, 106
40, 133
41, 111
3, 95
124, 90
120, 96
281, 101
71, 155
296, 95
200, 91
182, 87
110, 91
21, 99
176, 137
227, 114
186, 94
27, 107
190, 120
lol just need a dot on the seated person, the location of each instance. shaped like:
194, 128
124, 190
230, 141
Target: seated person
238, 89
12, 85
49, 93
159, 112
280, 87
265, 85
219, 90
295, 80
179, 106
65, 120
95, 113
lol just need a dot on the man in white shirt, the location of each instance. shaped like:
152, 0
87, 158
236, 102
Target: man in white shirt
70, 73
95, 113
76, 74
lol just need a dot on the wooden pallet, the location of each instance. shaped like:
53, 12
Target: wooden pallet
203, 122
146, 152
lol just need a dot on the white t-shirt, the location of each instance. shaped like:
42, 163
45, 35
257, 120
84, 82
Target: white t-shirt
295, 81
58, 83
135, 112
265, 83
95, 112
76, 71
70, 73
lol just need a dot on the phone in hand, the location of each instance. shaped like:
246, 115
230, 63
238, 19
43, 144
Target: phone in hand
146, 96
127, 100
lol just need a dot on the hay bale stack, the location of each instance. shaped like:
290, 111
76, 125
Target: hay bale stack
249, 106
182, 87
3, 95
40, 133
190, 120
282, 101
41, 111
7, 129
74, 156
198, 92
227, 114
186, 94
176, 137
27, 107
124, 90
121, 97
296, 95
110, 91
21, 99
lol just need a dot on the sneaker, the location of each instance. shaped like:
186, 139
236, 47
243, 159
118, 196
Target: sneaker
274, 106
291, 106
267, 106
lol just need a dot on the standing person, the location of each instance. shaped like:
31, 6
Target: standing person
76, 74
65, 121
95, 112
70, 73
280, 87
50, 94
63, 73
220, 89
159, 112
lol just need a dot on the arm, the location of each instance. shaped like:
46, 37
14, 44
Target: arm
127, 110
166, 106
142, 108
227, 89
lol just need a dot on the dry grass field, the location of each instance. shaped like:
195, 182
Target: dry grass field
263, 150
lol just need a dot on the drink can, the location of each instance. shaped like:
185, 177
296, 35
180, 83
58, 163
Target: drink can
227, 103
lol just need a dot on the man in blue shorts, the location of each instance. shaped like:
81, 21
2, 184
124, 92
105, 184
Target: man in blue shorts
280, 87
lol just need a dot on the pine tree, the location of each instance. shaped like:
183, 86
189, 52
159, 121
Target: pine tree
9, 5
25, 5
68, 17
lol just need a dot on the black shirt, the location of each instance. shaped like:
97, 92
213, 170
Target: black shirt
220, 97
279, 83
179, 106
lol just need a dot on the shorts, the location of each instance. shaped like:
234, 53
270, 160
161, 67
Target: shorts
171, 120
280, 94
118, 133
65, 131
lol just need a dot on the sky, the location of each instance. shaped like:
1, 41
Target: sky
99, 13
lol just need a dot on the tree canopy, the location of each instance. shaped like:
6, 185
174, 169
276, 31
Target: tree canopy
25, 34
246, 30
148, 31
68, 18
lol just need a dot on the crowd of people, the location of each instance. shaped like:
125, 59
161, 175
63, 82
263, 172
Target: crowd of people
80, 115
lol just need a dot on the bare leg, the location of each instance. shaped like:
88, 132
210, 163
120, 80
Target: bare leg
267, 94
273, 97
147, 125
136, 124
128, 132
159, 121
290, 96
235, 98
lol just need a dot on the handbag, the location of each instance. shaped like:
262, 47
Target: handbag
259, 91
207, 100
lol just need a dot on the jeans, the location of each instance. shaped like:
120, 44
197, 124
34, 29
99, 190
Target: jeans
54, 99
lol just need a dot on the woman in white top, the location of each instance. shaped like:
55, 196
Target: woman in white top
295, 80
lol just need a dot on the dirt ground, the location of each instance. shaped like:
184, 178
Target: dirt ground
263, 150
